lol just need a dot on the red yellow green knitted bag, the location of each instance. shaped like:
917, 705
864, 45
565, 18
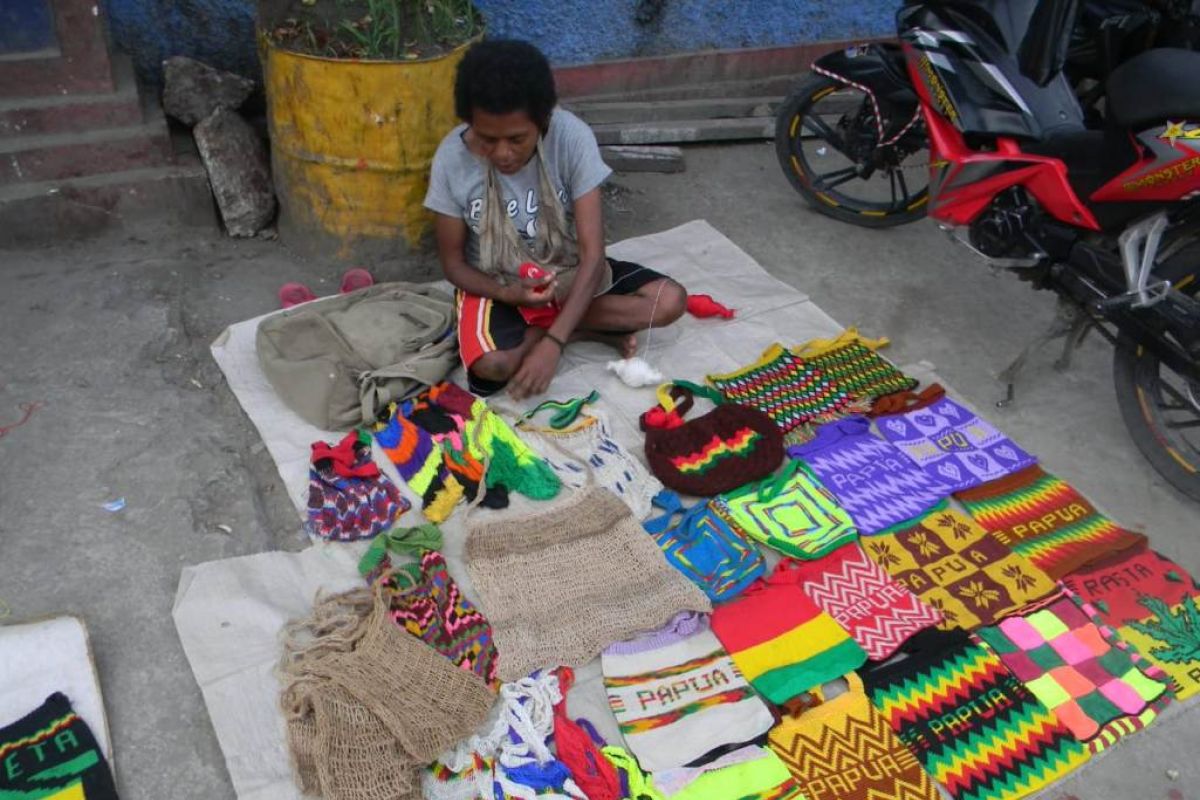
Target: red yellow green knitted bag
1044, 519
719, 451
975, 728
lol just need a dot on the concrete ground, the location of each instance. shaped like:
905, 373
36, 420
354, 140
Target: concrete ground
112, 338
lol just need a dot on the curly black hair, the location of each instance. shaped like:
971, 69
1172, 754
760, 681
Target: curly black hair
500, 76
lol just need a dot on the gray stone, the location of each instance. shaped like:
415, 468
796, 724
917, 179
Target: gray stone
238, 170
192, 90
643, 158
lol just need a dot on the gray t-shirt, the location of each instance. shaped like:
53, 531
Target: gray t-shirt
457, 179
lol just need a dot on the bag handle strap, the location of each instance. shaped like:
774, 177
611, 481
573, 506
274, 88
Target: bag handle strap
565, 411
412, 541
899, 402
671, 504
675, 400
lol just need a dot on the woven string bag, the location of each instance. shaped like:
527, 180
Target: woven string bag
726, 448
560, 584
366, 703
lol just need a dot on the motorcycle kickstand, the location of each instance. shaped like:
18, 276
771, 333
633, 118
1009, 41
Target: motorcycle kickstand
1070, 322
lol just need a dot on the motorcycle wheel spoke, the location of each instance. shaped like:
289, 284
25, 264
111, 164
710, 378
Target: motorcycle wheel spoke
822, 130
836, 178
1184, 424
905, 196
1176, 395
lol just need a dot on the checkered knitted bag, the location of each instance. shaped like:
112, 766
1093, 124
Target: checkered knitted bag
720, 451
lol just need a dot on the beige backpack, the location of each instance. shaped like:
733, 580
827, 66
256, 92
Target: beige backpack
339, 361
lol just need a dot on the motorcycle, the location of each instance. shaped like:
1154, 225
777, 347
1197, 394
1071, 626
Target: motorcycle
973, 119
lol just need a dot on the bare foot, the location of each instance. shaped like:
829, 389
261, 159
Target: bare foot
624, 343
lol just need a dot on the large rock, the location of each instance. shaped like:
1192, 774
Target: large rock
192, 90
238, 170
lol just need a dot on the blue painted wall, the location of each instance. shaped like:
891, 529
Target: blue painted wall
581, 31
26, 25
218, 32
221, 32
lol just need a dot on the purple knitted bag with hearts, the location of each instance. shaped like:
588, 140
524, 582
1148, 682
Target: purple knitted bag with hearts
950, 442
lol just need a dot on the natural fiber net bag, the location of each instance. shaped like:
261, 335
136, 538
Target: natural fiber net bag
729, 446
561, 584
366, 703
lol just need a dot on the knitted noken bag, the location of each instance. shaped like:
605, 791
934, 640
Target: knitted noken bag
588, 439
950, 442
51, 754
876, 610
782, 642
561, 584
1061, 656
960, 569
787, 388
704, 548
790, 512
677, 695
844, 749
976, 728
366, 703
851, 361
348, 497
722, 450
1153, 604
868, 476
1043, 518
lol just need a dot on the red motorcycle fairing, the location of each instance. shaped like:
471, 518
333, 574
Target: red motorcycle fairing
963, 182
1167, 171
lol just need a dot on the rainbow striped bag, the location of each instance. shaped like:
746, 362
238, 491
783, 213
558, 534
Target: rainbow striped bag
726, 448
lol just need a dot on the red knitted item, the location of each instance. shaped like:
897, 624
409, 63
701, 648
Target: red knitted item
703, 306
593, 773
343, 455
726, 448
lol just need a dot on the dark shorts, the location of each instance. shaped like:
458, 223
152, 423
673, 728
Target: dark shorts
485, 326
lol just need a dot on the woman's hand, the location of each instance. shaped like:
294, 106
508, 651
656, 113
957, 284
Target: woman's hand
536, 371
531, 292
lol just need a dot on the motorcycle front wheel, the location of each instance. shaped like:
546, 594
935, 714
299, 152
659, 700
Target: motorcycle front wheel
1162, 409
828, 144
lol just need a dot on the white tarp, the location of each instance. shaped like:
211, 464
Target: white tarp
229, 613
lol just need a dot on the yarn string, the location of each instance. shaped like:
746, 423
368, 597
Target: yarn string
650, 326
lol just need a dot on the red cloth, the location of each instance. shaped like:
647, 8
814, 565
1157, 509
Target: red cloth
593, 773
703, 306
541, 316
343, 455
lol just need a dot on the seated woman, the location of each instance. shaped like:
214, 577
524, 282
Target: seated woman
519, 184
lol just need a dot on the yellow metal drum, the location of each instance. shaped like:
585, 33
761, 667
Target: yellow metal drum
351, 145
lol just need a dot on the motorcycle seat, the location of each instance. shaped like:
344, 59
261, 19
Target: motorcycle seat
1155, 86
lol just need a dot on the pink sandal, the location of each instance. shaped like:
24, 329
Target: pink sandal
293, 294
355, 279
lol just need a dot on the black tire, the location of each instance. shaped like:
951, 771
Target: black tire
789, 128
1148, 409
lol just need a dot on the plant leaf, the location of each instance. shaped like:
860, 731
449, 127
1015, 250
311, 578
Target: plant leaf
1179, 632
